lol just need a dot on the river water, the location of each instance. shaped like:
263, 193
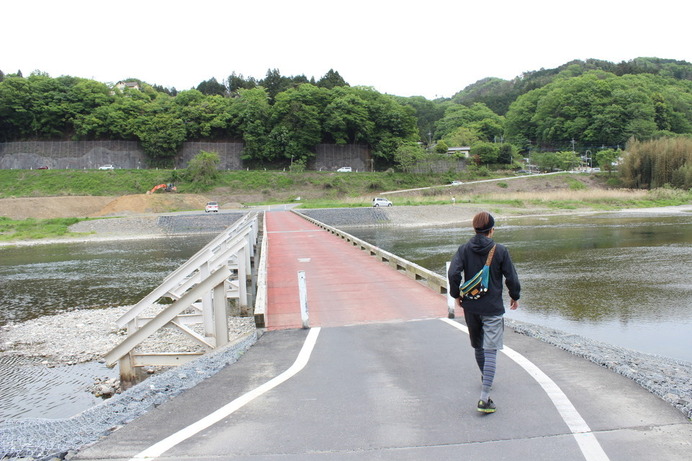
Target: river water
49, 279
620, 278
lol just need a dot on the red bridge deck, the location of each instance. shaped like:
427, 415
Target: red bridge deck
345, 285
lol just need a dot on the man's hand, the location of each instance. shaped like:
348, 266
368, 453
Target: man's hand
513, 304
458, 300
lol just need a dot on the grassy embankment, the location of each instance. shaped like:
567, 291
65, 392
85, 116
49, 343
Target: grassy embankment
323, 189
31, 229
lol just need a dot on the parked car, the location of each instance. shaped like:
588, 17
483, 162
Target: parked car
457, 183
211, 207
345, 169
43, 167
379, 201
107, 167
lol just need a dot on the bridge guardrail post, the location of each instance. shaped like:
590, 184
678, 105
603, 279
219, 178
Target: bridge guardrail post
450, 300
303, 293
207, 308
220, 303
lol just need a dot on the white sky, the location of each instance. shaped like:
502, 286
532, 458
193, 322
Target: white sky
432, 48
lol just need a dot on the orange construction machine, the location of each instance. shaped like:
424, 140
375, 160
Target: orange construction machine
165, 187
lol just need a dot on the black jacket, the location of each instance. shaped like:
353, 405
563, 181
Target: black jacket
468, 260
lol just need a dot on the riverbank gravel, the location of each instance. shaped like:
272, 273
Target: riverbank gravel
44, 439
669, 379
35, 439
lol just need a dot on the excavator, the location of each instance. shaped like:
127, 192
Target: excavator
165, 187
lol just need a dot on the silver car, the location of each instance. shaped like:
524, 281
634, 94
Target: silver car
379, 201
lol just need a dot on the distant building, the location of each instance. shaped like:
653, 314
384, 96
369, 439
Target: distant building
459, 150
131, 85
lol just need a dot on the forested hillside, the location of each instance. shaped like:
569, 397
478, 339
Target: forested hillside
579, 106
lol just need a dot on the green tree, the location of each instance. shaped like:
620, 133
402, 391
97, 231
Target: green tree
545, 161
161, 131
347, 119
506, 153
394, 124
427, 113
567, 160
407, 155
601, 108
237, 82
441, 147
605, 158
205, 117
16, 111
486, 152
211, 87
462, 137
296, 123
331, 80
250, 114
202, 170
275, 83
479, 118
117, 119
549, 161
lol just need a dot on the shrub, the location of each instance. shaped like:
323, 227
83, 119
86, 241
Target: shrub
202, 171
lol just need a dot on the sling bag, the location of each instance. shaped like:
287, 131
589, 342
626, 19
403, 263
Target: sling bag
478, 285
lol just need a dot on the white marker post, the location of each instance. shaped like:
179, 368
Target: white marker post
450, 300
303, 292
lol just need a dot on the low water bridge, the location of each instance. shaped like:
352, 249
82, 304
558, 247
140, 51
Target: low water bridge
383, 372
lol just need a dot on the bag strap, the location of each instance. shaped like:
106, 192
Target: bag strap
490, 256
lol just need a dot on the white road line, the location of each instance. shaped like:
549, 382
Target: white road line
169, 442
581, 431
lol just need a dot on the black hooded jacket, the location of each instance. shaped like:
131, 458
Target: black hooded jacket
468, 260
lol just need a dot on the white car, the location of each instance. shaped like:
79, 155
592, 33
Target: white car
457, 183
345, 169
379, 201
211, 207
107, 167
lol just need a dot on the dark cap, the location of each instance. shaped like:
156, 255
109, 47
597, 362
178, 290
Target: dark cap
488, 227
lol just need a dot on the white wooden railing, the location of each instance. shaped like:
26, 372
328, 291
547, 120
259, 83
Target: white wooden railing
199, 291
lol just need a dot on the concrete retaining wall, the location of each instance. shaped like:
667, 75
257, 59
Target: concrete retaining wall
330, 157
26, 155
71, 154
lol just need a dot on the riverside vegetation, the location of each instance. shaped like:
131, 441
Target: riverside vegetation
589, 107
329, 190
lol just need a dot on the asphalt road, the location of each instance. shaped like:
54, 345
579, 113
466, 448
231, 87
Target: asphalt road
403, 391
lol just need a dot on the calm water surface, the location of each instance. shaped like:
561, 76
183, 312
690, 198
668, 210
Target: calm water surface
48, 279
624, 279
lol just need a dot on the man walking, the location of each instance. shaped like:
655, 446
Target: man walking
484, 313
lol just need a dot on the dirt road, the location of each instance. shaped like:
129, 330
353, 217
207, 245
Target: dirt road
96, 206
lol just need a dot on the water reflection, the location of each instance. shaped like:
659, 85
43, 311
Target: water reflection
618, 278
46, 279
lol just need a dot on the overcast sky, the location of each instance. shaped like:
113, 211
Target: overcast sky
431, 48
